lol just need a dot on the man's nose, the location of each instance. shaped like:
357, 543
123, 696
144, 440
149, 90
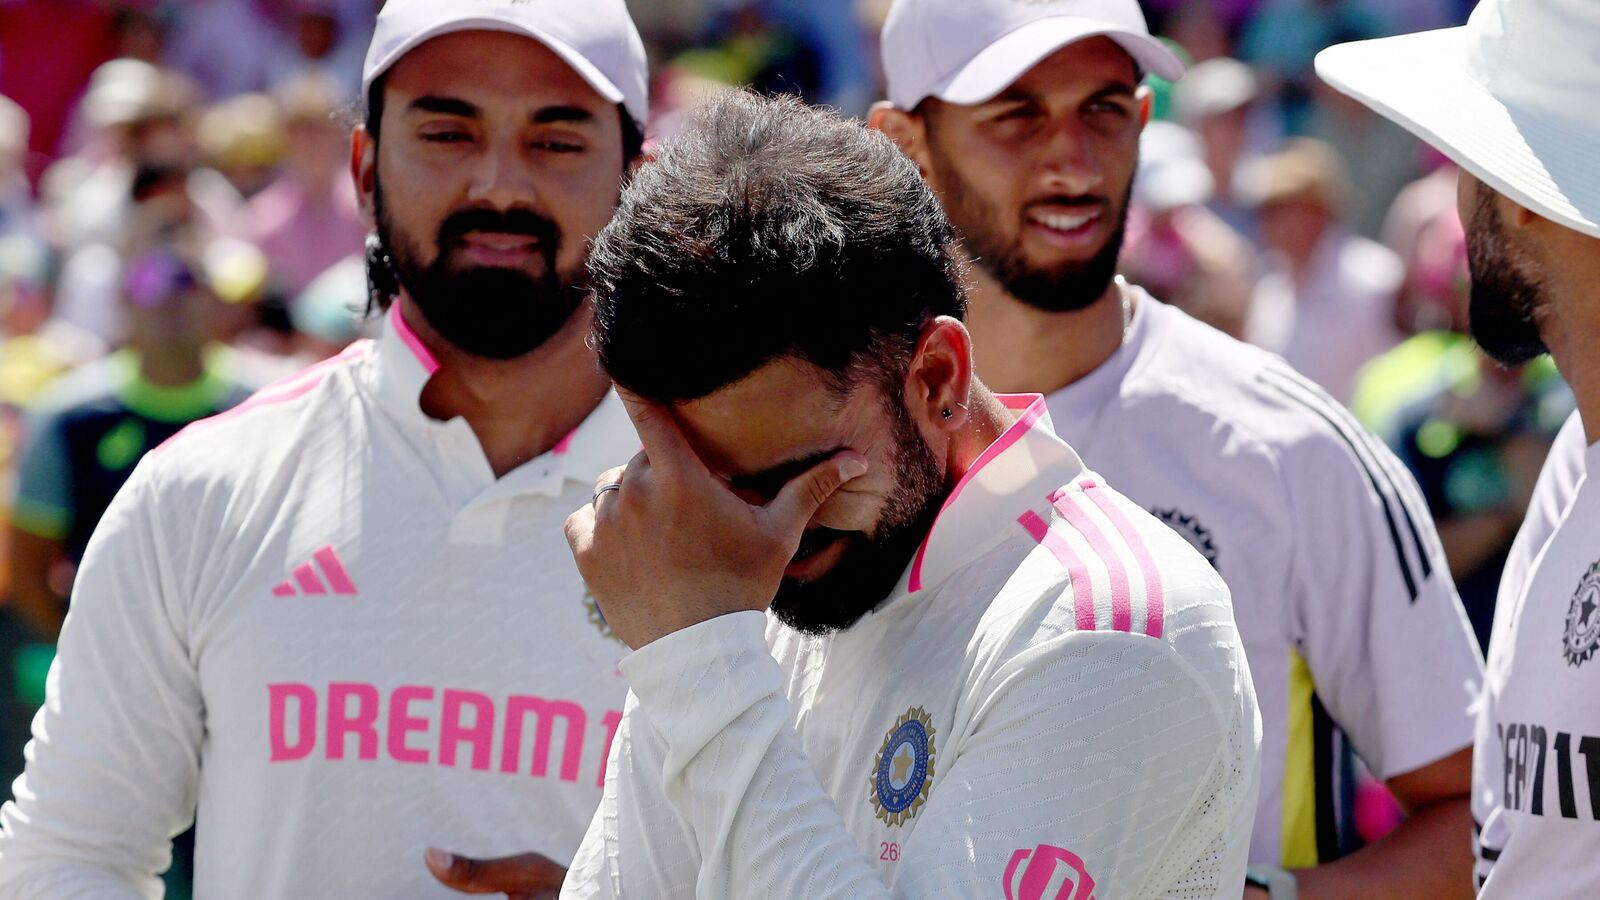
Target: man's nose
502, 177
1070, 165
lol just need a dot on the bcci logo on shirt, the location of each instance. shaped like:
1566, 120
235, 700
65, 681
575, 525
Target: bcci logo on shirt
1198, 536
1582, 637
904, 771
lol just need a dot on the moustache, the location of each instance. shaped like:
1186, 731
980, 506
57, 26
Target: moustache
511, 221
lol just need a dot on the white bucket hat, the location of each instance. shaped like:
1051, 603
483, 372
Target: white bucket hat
598, 40
1511, 97
967, 51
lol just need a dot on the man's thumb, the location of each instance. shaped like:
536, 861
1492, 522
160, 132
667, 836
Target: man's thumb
805, 493
520, 874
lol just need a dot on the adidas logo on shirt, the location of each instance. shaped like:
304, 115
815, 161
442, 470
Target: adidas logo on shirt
324, 574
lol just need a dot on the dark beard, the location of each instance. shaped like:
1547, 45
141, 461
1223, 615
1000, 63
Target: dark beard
1065, 288
489, 312
872, 565
1504, 313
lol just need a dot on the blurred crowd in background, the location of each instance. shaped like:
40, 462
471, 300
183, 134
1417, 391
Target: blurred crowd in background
178, 228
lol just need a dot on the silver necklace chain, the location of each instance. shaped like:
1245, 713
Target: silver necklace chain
1127, 306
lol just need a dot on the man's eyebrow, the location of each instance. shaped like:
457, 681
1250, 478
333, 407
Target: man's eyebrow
550, 114
447, 106
775, 477
1116, 89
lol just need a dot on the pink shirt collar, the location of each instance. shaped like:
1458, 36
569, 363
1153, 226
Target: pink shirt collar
1015, 473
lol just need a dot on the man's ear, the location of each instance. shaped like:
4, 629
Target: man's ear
908, 130
940, 378
364, 171
1147, 100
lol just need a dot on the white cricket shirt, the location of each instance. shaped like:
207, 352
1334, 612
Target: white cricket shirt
1052, 703
1535, 788
320, 620
1339, 583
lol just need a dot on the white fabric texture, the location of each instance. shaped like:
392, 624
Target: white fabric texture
321, 622
1117, 759
1555, 492
1322, 536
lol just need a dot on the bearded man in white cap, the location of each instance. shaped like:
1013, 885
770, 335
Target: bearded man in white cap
1510, 98
1025, 118
341, 625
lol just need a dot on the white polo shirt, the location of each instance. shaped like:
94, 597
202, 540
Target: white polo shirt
1523, 781
1052, 703
1340, 585
320, 620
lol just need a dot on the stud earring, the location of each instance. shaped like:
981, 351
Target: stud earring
947, 413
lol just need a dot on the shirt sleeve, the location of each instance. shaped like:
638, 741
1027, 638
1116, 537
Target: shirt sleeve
1092, 757
113, 766
43, 502
1375, 613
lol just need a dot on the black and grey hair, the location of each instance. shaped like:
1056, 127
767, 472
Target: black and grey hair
768, 229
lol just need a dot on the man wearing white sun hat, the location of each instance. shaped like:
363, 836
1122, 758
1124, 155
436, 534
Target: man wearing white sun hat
342, 626
1511, 98
1026, 120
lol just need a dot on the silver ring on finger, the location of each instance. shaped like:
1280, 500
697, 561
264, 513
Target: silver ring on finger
602, 490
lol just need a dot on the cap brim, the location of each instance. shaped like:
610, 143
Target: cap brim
1009, 58
1423, 83
601, 84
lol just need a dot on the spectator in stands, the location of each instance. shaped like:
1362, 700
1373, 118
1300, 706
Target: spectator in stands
16, 195
307, 219
1216, 99
1178, 249
318, 46
83, 444
1475, 440
1326, 301
244, 139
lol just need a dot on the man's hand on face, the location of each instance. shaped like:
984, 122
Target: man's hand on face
674, 546
526, 876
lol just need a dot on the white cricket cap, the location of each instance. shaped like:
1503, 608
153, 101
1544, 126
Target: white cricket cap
967, 51
598, 40
1510, 97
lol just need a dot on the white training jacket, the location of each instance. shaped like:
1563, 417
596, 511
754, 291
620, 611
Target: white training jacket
1339, 582
323, 623
1053, 703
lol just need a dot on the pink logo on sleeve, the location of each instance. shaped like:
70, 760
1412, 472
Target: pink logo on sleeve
305, 579
1051, 874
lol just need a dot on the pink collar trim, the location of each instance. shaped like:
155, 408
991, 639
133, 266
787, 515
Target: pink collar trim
410, 339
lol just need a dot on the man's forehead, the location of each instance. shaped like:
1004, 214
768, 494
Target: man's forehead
783, 413
483, 62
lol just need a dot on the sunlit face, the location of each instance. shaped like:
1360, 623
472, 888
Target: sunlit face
778, 422
1036, 180
1507, 295
495, 165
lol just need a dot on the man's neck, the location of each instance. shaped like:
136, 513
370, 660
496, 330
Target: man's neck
518, 408
1017, 347
1572, 341
987, 419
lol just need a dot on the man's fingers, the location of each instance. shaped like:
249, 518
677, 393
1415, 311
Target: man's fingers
663, 441
525, 873
579, 528
805, 493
